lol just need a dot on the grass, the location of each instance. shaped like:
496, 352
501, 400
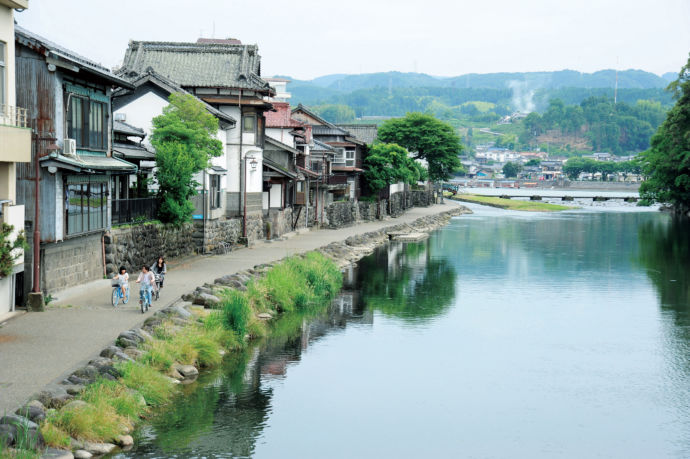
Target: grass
511, 204
114, 407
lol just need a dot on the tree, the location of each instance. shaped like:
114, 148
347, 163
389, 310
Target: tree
427, 138
335, 113
667, 162
388, 163
533, 162
183, 137
511, 169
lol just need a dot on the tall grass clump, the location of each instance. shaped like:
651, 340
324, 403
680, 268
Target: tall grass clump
126, 402
92, 421
152, 385
236, 312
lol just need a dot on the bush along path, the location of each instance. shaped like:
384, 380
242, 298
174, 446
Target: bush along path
94, 410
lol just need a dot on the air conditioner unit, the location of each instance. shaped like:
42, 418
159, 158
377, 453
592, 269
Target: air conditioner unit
69, 147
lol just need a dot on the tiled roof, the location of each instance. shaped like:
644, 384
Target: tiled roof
365, 132
59, 53
321, 146
199, 64
318, 129
169, 86
123, 128
132, 151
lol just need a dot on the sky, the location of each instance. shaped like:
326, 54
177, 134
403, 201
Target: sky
305, 39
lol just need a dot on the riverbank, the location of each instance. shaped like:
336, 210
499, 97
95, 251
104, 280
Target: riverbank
510, 204
349, 245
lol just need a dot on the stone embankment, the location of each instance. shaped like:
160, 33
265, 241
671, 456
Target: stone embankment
127, 346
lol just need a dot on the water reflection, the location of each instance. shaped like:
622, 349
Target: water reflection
405, 280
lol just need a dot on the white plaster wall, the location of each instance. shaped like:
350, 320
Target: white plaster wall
141, 111
7, 36
397, 187
264, 200
233, 164
5, 295
276, 195
281, 135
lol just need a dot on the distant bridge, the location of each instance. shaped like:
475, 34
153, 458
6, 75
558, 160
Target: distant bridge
564, 197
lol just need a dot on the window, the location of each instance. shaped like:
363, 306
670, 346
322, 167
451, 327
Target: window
214, 200
86, 202
340, 157
249, 124
350, 158
86, 122
3, 72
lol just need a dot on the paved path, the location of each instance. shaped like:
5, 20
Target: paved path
37, 349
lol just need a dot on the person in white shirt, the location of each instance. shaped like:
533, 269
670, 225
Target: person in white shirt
147, 280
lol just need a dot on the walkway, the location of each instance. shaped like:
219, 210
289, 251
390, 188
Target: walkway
37, 349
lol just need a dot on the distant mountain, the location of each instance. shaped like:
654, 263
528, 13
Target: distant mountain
670, 76
627, 79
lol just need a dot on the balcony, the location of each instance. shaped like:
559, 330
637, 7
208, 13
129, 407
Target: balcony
15, 135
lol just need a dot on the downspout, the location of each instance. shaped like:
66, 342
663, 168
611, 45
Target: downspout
243, 166
203, 212
37, 232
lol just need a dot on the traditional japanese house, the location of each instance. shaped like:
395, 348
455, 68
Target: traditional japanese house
227, 75
68, 98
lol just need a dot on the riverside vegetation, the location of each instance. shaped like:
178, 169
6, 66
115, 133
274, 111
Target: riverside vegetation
502, 203
170, 349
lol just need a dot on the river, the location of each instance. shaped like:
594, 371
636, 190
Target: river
504, 335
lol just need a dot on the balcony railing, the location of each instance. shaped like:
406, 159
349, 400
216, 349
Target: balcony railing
14, 116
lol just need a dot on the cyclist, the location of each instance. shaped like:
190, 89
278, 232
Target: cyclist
122, 280
159, 268
147, 281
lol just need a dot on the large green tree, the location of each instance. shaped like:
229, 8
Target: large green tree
389, 163
667, 162
511, 169
183, 137
426, 138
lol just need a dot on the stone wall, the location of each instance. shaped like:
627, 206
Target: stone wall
342, 213
221, 230
420, 198
138, 245
72, 262
368, 210
396, 204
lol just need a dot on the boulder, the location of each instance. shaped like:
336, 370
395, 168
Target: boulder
8, 434
133, 353
54, 396
143, 334
126, 342
125, 356
33, 412
54, 453
75, 405
74, 379
180, 311
82, 454
173, 373
88, 373
110, 351
187, 371
74, 389
264, 316
124, 440
98, 448
19, 421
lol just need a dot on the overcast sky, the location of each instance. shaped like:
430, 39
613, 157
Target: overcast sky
309, 38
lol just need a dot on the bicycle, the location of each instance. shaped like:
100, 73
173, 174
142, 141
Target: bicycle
144, 299
157, 289
117, 294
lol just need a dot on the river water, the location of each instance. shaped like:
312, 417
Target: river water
504, 335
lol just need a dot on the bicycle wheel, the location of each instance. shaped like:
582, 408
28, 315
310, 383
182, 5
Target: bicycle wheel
115, 296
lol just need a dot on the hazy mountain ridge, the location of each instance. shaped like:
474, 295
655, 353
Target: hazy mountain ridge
627, 79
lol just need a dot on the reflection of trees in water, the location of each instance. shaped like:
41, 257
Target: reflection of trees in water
226, 411
665, 254
405, 281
